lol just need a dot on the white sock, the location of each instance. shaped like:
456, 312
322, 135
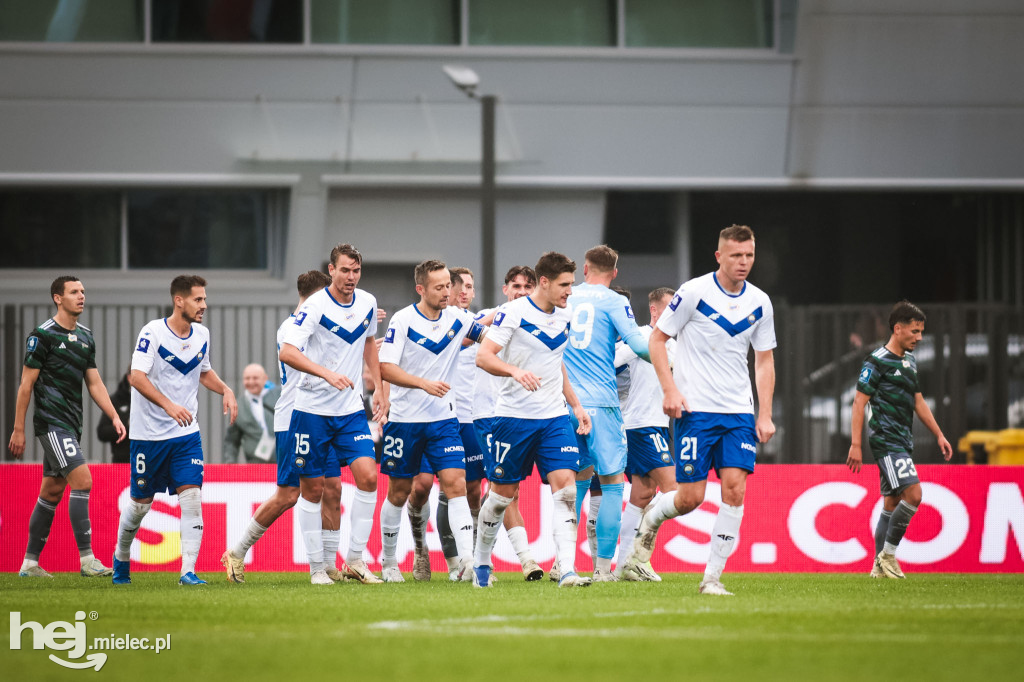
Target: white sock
131, 519
520, 543
390, 524
723, 539
191, 503
312, 527
664, 510
491, 515
331, 539
564, 529
253, 532
364, 504
27, 564
461, 521
627, 531
593, 509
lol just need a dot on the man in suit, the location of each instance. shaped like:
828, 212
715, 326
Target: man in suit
255, 413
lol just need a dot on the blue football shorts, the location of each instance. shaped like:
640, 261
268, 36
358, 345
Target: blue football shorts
707, 439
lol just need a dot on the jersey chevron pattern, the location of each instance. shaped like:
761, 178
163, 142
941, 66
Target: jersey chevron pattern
62, 356
892, 384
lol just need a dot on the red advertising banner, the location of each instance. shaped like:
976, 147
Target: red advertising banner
797, 518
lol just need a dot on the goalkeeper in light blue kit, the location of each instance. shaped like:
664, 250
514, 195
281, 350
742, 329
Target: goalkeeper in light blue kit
600, 317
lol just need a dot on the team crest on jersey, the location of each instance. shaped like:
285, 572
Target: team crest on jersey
674, 303
366, 323
72, 337
865, 374
451, 334
32, 343
199, 355
751, 319
906, 363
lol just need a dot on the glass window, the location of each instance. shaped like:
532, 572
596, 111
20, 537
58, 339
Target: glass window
60, 229
699, 23
67, 21
542, 22
386, 22
227, 21
197, 229
639, 222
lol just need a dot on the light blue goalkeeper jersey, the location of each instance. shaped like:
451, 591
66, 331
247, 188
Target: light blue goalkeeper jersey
599, 318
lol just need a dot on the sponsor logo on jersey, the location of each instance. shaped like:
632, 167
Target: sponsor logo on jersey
335, 328
454, 448
674, 303
362, 436
714, 316
571, 448
143, 345
197, 462
749, 446
32, 343
62, 345
865, 375
421, 341
299, 319
498, 319
895, 374
389, 337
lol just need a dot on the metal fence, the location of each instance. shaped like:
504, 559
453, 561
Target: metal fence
971, 362
239, 335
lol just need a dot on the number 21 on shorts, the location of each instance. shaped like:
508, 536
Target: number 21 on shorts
688, 447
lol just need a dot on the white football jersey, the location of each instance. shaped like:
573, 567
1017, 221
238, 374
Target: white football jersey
332, 335
713, 331
429, 349
641, 404
290, 379
485, 386
463, 385
533, 340
173, 365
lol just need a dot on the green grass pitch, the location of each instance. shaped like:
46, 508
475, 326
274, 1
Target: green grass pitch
778, 626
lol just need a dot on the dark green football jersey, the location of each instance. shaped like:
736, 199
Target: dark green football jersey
892, 384
62, 356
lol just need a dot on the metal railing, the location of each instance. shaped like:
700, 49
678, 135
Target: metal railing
971, 362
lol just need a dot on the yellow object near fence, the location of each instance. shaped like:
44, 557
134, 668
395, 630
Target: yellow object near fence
1007, 448
974, 446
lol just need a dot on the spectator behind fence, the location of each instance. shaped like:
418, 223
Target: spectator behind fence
255, 411
105, 432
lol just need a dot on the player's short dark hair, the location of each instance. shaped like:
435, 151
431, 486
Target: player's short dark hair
182, 284
602, 257
658, 294
346, 250
736, 233
457, 274
905, 312
525, 270
552, 264
424, 269
311, 282
624, 292
57, 287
